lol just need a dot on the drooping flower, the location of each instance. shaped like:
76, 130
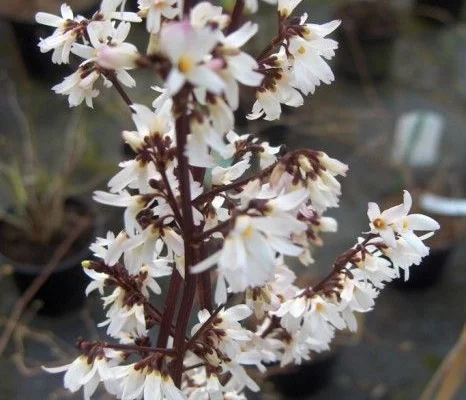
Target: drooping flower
68, 30
83, 372
79, 86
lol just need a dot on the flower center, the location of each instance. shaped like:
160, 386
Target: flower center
405, 224
301, 50
379, 223
247, 232
159, 3
185, 64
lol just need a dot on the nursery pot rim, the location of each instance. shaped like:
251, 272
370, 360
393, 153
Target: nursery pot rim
69, 261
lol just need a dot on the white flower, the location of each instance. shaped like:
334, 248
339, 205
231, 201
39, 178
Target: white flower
159, 387
123, 321
155, 10
109, 49
268, 101
110, 248
269, 297
276, 89
225, 331
205, 12
332, 165
403, 256
247, 258
296, 349
396, 220
186, 48
291, 313
309, 68
149, 124
81, 372
201, 138
140, 383
220, 114
377, 270
239, 65
108, 9
320, 322
223, 176
98, 282
286, 7
239, 378
133, 204
66, 33
157, 269
79, 86
356, 296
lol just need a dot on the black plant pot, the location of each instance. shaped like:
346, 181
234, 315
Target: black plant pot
428, 273
38, 65
367, 40
306, 379
439, 10
276, 135
64, 290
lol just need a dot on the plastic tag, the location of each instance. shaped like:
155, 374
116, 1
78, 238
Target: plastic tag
443, 205
417, 139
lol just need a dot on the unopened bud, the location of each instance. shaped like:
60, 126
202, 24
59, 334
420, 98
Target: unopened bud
304, 163
277, 174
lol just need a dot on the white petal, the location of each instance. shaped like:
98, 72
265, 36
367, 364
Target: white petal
238, 312
420, 222
205, 77
175, 81
48, 19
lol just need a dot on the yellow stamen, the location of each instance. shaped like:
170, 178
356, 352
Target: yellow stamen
247, 232
379, 223
185, 64
302, 50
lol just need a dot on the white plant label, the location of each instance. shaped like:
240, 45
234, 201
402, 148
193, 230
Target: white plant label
443, 205
417, 139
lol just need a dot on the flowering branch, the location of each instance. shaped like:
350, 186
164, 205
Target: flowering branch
194, 215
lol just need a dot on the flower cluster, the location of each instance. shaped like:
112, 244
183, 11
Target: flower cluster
215, 212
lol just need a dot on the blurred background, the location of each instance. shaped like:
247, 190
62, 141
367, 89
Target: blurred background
396, 114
